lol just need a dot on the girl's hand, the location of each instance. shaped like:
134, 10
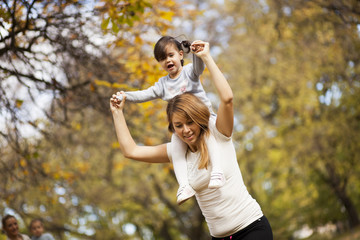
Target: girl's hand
117, 101
200, 48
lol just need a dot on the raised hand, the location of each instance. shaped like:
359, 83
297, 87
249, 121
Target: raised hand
117, 101
200, 48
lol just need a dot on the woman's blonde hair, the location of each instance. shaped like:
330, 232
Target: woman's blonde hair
191, 107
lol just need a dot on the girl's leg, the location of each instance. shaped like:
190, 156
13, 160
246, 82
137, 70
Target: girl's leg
217, 178
178, 150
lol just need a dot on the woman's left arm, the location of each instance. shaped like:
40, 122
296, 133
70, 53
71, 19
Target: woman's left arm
225, 114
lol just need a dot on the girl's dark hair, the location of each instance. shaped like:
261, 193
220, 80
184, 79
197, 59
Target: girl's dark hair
163, 42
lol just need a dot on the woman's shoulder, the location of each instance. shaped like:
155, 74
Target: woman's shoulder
168, 151
214, 131
25, 237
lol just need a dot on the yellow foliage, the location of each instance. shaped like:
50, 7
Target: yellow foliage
119, 166
92, 87
107, 84
167, 168
102, 83
146, 105
122, 86
69, 176
76, 126
275, 155
149, 141
56, 175
23, 162
46, 167
167, 15
19, 103
44, 188
138, 40
83, 167
115, 145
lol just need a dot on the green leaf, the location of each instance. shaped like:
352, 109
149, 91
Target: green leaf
105, 23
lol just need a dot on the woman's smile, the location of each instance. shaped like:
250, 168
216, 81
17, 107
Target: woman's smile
189, 137
187, 130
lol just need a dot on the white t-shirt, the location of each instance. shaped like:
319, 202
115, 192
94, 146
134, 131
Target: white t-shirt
23, 236
229, 208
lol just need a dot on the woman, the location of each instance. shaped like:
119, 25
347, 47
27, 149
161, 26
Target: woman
230, 211
11, 228
169, 52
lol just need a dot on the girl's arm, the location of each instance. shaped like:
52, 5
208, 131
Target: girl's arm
198, 67
150, 154
225, 114
139, 96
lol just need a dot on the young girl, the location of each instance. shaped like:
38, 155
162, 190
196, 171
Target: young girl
180, 79
37, 230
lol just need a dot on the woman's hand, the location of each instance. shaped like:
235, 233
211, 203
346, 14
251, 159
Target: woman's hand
200, 48
117, 101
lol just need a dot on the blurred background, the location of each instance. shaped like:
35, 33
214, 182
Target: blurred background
294, 67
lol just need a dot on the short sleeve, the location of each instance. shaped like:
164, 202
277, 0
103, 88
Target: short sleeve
48, 236
25, 237
218, 135
168, 150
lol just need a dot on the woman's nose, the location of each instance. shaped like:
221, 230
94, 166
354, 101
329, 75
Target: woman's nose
186, 128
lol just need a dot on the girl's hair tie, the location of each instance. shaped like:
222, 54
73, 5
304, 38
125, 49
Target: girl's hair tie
186, 45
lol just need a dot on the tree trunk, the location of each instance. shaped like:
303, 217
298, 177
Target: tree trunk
340, 191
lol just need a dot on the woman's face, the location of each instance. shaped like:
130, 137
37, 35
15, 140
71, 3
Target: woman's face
172, 62
187, 130
11, 227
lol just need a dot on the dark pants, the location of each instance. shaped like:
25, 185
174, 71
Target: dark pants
258, 230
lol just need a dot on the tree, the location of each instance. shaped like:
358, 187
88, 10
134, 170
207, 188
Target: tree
297, 85
69, 170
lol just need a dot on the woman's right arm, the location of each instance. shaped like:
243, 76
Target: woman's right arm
225, 114
150, 154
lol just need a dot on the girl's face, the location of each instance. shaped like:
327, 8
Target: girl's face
37, 229
11, 227
187, 130
172, 62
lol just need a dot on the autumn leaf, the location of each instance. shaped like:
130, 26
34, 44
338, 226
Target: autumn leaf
19, 103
